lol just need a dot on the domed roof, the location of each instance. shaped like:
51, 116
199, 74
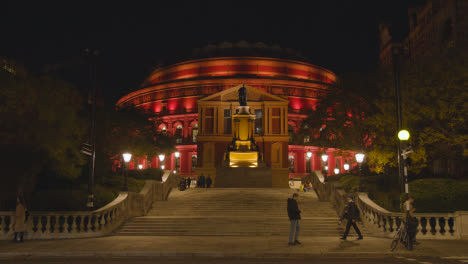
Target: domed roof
237, 49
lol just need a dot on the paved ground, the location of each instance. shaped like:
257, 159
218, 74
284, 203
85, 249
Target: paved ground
381, 259
212, 246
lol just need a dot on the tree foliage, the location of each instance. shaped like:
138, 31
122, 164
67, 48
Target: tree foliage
133, 130
434, 108
42, 127
339, 119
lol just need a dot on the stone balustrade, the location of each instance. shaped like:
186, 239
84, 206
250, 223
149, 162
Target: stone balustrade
101, 222
430, 225
329, 192
380, 221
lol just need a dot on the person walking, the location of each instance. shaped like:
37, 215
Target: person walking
209, 181
20, 219
294, 216
351, 213
187, 182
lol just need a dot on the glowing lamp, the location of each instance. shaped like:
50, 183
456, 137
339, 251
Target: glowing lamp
403, 135
337, 171
161, 157
309, 154
177, 154
174, 172
324, 157
140, 166
360, 157
162, 167
127, 157
346, 166
326, 168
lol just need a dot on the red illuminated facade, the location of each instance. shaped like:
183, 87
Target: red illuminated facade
172, 93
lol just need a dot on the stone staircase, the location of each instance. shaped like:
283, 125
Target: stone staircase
233, 212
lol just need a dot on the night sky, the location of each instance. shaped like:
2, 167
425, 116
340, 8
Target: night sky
341, 35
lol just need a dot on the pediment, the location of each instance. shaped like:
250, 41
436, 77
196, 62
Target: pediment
253, 95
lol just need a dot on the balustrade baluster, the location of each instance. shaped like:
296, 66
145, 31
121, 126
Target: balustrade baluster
2, 224
66, 225
420, 226
103, 220
95, 223
47, 225
10, 225
74, 226
82, 217
57, 224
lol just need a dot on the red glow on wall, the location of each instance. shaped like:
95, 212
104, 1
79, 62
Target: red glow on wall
297, 103
190, 103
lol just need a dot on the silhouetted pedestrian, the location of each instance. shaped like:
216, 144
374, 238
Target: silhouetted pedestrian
351, 213
294, 216
20, 219
208, 181
187, 182
201, 181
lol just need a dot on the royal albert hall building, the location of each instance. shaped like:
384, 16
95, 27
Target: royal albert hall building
195, 100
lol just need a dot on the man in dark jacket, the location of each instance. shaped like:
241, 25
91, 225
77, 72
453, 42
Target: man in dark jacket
294, 216
209, 181
351, 213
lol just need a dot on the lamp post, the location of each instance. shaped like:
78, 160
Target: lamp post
161, 160
346, 166
177, 157
127, 157
360, 159
308, 163
404, 135
325, 159
91, 55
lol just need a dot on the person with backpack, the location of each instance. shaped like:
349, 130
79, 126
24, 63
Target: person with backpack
351, 213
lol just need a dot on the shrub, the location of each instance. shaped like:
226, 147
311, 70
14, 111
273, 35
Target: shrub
147, 174
350, 183
437, 195
58, 200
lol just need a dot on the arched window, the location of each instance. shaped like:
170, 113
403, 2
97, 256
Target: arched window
178, 134
195, 132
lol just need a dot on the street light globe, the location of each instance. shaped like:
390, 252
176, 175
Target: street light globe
346, 166
162, 167
161, 157
174, 172
326, 168
324, 157
177, 154
309, 154
127, 157
337, 171
360, 157
140, 166
403, 135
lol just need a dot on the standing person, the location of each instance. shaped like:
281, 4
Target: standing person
208, 181
20, 219
294, 216
351, 213
202, 181
187, 182
412, 221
